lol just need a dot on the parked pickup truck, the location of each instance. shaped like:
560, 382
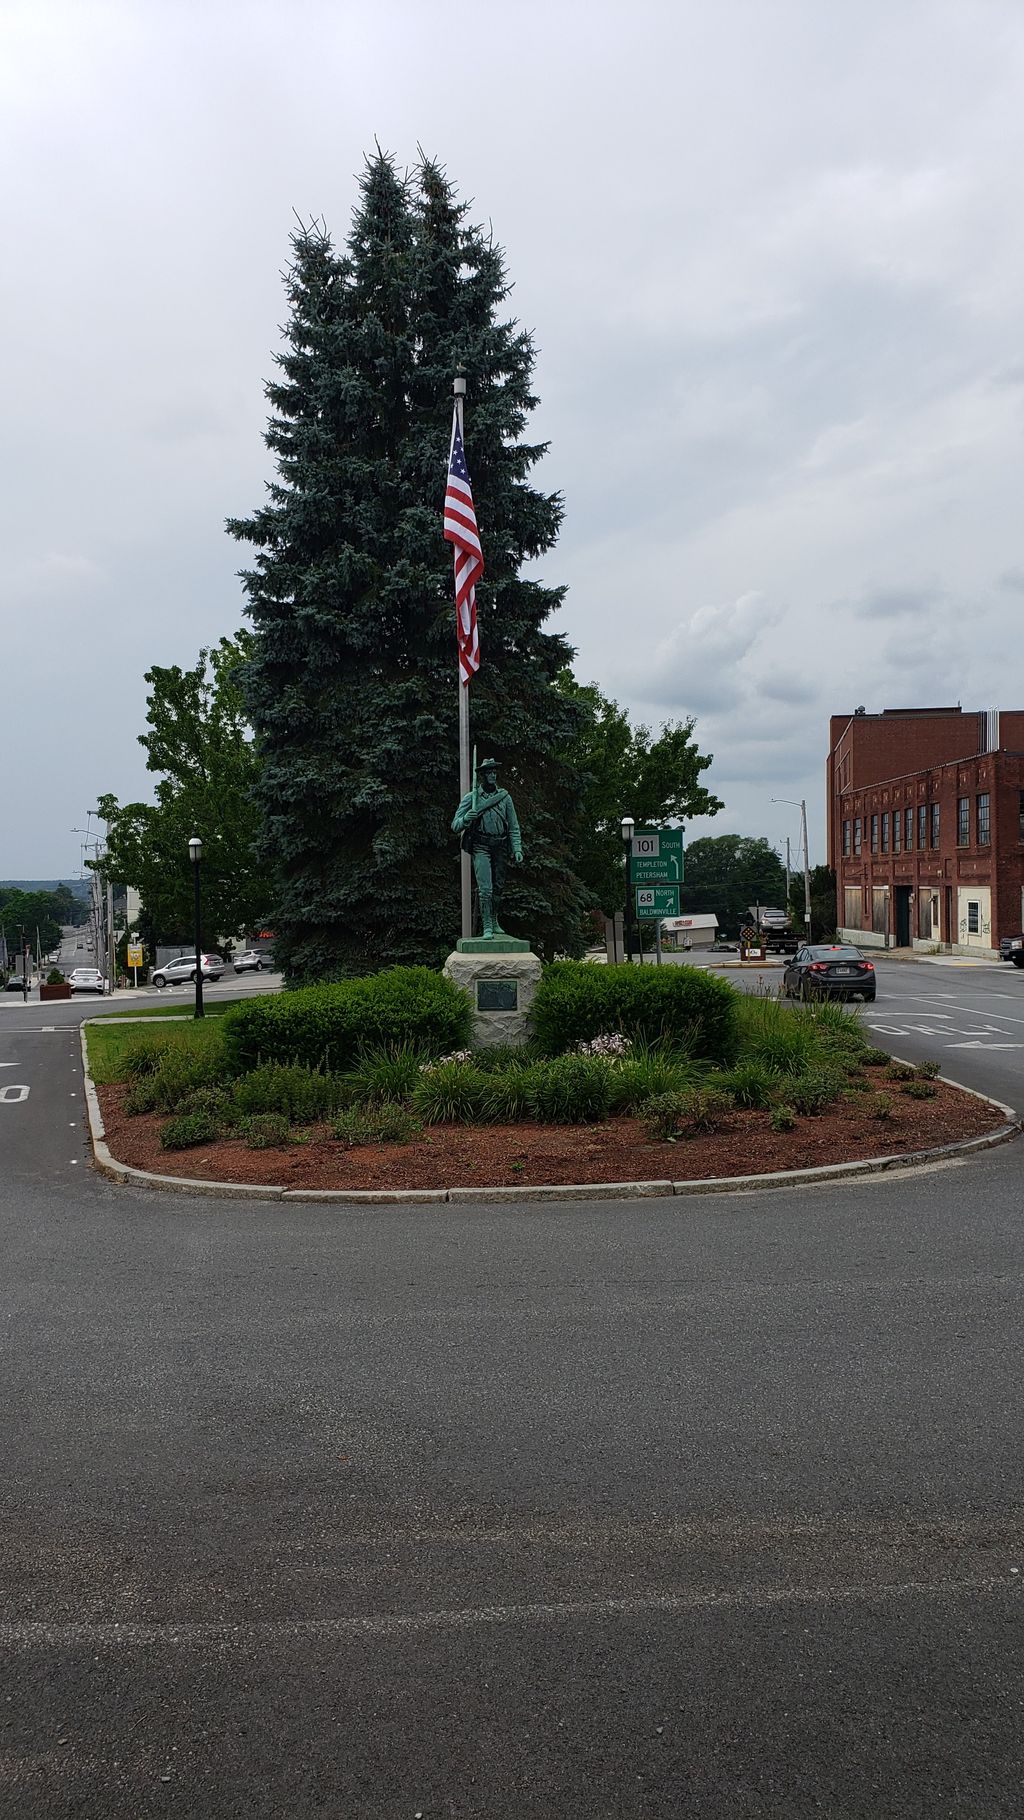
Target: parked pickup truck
775, 927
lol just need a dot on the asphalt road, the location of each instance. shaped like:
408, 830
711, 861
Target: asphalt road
709, 1508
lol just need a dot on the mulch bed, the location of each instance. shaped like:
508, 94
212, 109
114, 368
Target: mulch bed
480, 1156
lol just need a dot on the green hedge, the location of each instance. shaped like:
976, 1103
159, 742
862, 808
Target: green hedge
681, 1007
330, 1026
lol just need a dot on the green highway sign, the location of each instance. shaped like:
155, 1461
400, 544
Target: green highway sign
655, 901
656, 856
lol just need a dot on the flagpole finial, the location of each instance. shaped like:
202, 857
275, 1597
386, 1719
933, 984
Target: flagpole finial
459, 385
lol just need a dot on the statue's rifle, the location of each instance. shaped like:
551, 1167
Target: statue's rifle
476, 791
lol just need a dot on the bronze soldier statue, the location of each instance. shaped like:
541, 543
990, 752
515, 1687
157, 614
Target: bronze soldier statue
487, 821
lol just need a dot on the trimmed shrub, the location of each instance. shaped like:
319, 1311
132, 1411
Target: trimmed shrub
875, 1058
706, 1108
880, 1106
329, 1026
301, 1095
266, 1131
782, 1118
188, 1129
927, 1071
450, 1093
572, 1090
900, 1071
678, 1007
919, 1090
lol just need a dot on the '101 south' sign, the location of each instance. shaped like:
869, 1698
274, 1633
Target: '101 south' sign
656, 856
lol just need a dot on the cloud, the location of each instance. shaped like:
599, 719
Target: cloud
896, 603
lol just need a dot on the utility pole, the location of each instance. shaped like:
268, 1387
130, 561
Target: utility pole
787, 875
802, 806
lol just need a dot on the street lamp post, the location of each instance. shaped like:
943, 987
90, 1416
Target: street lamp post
627, 842
195, 853
802, 806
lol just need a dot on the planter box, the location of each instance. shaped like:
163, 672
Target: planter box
50, 992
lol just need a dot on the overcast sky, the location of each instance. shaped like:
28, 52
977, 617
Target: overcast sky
772, 254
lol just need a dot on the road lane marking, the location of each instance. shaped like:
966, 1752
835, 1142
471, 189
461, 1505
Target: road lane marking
37, 1633
13, 1095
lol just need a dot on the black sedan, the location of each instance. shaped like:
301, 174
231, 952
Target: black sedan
833, 971
1011, 948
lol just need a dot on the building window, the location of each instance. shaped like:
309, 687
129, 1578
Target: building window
874, 834
922, 827
909, 819
897, 830
973, 918
846, 840
856, 849
885, 832
935, 824
963, 821
984, 832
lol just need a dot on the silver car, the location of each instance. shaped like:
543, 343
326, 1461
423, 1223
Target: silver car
180, 971
252, 961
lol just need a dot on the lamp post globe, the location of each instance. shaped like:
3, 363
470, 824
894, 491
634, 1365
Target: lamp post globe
195, 853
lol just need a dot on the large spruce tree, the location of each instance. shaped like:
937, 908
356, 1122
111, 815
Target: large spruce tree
351, 684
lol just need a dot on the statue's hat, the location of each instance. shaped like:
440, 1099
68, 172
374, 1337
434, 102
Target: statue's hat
488, 764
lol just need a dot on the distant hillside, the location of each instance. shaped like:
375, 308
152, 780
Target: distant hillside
79, 887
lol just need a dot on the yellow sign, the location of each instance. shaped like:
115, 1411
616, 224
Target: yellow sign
135, 954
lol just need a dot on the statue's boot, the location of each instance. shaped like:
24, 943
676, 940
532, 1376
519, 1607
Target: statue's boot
487, 913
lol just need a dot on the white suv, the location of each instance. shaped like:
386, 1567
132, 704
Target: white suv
180, 971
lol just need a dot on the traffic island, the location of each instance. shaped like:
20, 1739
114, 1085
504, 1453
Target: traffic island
466, 1161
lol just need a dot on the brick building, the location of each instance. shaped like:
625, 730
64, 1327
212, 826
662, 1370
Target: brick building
926, 827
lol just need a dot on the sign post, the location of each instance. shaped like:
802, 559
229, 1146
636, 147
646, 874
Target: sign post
134, 960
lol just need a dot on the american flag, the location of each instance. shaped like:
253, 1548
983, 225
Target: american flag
460, 528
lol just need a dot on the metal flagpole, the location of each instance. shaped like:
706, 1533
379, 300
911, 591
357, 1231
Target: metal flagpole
459, 388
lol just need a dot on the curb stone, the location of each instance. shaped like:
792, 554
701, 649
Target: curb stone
124, 1173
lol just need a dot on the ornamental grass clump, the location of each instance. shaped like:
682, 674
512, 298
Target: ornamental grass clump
383, 1123
508, 1096
450, 1093
388, 1074
812, 1092
781, 1040
649, 1073
572, 1090
750, 1084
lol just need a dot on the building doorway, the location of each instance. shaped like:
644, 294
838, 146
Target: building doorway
950, 925
903, 895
